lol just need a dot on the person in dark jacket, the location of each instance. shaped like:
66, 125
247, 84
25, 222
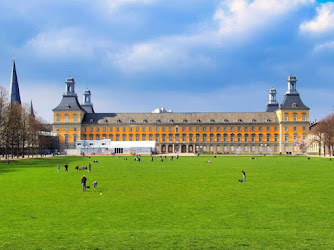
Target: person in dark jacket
83, 182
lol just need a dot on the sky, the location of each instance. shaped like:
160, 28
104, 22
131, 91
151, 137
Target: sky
187, 55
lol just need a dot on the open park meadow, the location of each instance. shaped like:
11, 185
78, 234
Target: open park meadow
286, 202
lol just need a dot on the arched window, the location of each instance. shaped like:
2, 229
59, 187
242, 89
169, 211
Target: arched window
260, 137
66, 118
211, 138
286, 117
218, 138
84, 137
295, 136
197, 137
170, 137
97, 137
143, 137
74, 138
246, 137
294, 117
225, 137
303, 117
157, 139
117, 137
111, 137
253, 137
286, 137
232, 137
239, 137
91, 137
66, 138
268, 137
204, 138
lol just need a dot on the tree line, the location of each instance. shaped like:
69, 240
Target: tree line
323, 135
19, 130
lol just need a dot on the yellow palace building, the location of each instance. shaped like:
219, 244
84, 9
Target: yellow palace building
271, 132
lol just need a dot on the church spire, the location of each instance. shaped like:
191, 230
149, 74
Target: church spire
14, 86
32, 109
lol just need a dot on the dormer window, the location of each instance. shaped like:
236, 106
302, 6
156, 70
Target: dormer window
158, 120
198, 120
91, 120
171, 120
132, 121
145, 121
185, 120
119, 121
212, 120
240, 120
294, 105
68, 106
253, 120
225, 120
106, 121
268, 120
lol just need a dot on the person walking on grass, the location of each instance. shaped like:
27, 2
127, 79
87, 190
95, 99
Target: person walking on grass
244, 176
58, 167
83, 182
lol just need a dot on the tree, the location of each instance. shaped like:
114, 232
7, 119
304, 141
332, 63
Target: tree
302, 145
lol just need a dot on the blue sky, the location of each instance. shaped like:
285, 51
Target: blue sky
187, 55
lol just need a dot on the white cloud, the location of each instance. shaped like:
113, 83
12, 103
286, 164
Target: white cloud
323, 22
233, 21
244, 16
324, 46
66, 43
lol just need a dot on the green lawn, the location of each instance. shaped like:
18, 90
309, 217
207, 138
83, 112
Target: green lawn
287, 202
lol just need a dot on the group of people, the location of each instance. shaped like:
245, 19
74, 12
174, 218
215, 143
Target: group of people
84, 182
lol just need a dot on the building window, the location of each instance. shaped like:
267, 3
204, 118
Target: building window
91, 137
276, 137
163, 137
286, 128
75, 129
286, 137
268, 137
111, 137
163, 129
150, 129
276, 129
137, 137
104, 136
211, 137
246, 137
239, 129
225, 137
304, 136
97, 137
150, 137
90, 129
211, 129
260, 128
232, 129
110, 129
143, 129
225, 129
75, 118
66, 129
190, 129
232, 137
66, 118
239, 137
286, 117
117, 137
123, 137
66, 138
294, 117
190, 138
130, 137
197, 137
177, 138
294, 128
57, 129
303, 117
204, 138
260, 137
156, 129
84, 137
57, 118
183, 137
104, 129
218, 137
268, 128
204, 129
294, 136
83, 129
143, 136
217, 129
253, 137
253, 128
170, 138
97, 129
246, 129
117, 129
157, 138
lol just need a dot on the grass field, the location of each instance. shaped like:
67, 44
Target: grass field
287, 202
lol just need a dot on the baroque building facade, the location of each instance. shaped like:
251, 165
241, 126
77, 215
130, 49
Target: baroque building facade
271, 132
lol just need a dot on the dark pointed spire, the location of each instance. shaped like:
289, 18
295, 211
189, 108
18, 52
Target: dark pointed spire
32, 110
14, 86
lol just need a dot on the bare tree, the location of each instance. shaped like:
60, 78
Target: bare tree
302, 145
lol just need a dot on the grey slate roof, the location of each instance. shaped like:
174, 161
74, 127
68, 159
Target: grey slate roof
293, 101
69, 103
156, 118
88, 108
272, 107
14, 86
